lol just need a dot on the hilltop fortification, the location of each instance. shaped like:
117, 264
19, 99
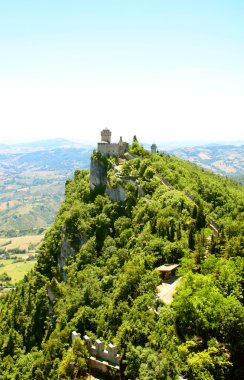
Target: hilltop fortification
106, 148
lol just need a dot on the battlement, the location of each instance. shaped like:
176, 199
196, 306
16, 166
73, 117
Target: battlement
98, 351
106, 135
101, 360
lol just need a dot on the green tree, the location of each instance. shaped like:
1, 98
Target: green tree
74, 363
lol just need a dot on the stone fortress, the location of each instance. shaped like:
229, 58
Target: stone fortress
106, 148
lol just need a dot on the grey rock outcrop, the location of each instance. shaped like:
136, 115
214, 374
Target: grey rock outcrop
51, 294
98, 179
116, 194
98, 174
66, 250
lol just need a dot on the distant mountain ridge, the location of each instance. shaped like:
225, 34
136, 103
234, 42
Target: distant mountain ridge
41, 145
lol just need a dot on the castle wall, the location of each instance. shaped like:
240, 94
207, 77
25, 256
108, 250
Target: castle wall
98, 351
113, 149
123, 148
105, 147
103, 361
102, 147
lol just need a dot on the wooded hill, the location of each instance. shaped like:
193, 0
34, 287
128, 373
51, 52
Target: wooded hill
227, 160
96, 275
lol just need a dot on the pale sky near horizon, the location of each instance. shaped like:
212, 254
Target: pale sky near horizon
162, 70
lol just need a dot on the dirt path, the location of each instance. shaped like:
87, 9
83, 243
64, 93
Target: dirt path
166, 291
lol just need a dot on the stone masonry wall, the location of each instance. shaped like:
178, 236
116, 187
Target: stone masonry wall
98, 350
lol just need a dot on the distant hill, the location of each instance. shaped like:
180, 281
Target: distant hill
227, 160
41, 145
32, 182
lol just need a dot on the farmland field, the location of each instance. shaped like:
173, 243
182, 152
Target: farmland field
33, 182
16, 271
21, 242
17, 257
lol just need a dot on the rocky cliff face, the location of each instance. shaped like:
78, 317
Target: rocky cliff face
98, 179
98, 174
116, 194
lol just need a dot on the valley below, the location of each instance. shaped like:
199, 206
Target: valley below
32, 182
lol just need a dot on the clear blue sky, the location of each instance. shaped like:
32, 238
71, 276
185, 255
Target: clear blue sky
163, 70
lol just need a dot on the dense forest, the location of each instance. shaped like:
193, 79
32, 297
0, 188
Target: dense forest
96, 274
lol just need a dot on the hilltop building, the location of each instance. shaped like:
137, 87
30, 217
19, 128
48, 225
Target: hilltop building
105, 147
153, 148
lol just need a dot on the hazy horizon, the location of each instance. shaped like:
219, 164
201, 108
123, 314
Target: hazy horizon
160, 143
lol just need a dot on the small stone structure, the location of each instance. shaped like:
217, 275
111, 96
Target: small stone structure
153, 148
99, 352
167, 270
75, 335
101, 360
105, 147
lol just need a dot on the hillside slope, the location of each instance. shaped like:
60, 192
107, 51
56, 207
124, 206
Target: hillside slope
33, 181
96, 275
227, 160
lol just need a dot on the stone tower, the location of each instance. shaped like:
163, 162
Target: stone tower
106, 135
153, 148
